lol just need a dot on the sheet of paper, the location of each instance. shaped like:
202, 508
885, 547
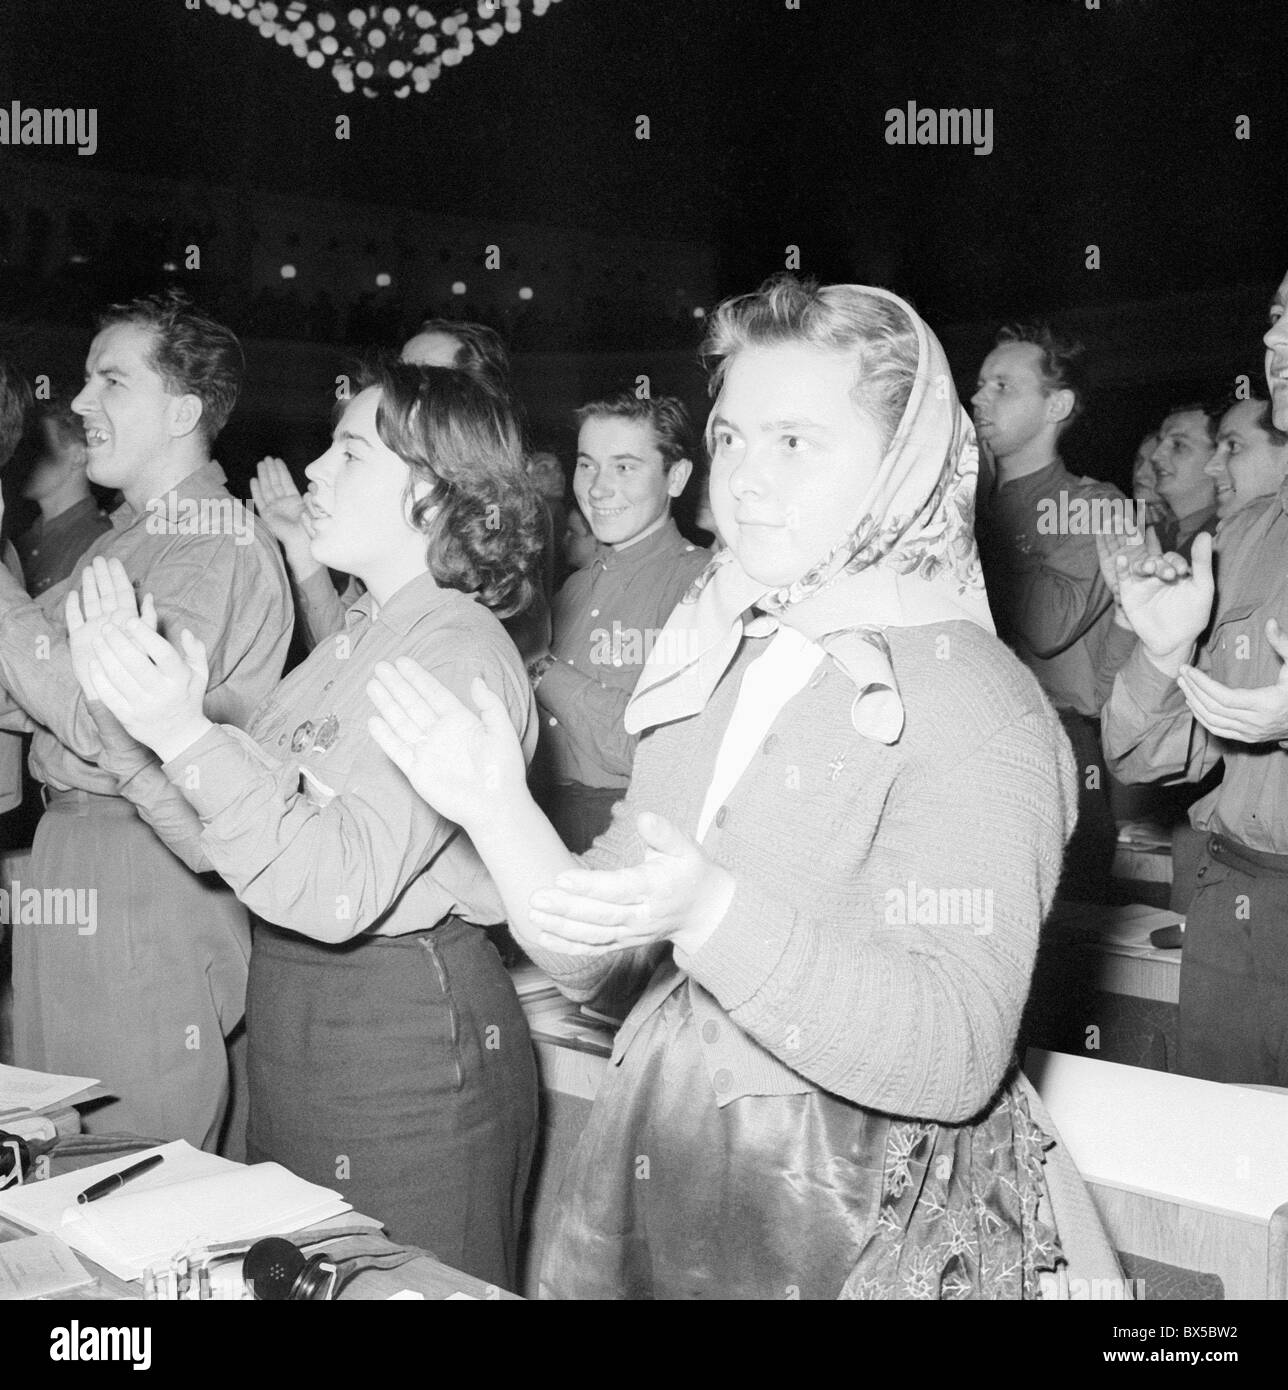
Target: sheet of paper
191, 1197
37, 1266
21, 1089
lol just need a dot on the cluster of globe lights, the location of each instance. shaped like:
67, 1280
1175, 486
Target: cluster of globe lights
398, 48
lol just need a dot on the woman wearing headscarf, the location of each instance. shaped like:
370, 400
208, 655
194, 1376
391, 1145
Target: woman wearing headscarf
843, 829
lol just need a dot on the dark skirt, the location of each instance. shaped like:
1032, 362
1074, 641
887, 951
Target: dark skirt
400, 1072
670, 1196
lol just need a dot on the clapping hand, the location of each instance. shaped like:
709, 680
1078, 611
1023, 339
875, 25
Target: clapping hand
678, 893
460, 762
1167, 602
153, 690
106, 596
280, 503
1258, 715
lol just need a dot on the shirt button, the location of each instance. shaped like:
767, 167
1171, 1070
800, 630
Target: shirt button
723, 1080
710, 1031
553, 721
282, 739
328, 685
721, 815
594, 612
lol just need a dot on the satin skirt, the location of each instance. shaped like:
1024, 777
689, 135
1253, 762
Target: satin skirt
669, 1196
398, 1071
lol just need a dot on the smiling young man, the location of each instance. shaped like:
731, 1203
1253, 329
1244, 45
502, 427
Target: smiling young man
634, 458
1176, 712
1251, 457
144, 994
1051, 604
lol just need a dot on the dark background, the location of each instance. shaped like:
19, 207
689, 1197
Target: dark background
1112, 126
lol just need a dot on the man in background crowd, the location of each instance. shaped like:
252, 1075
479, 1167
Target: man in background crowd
1050, 601
57, 482
1186, 442
1176, 712
634, 458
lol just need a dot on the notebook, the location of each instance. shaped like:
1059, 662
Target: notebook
191, 1198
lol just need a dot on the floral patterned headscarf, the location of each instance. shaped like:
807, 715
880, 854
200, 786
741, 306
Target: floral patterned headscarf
909, 560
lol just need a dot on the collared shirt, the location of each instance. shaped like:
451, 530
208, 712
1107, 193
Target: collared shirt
49, 549
321, 612
1044, 583
313, 826
606, 620
209, 568
1147, 729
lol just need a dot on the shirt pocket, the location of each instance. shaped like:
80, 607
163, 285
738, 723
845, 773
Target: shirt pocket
1236, 642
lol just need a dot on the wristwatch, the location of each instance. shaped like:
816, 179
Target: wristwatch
538, 668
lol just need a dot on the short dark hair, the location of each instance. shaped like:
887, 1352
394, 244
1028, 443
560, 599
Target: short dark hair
672, 427
15, 401
480, 350
192, 354
454, 431
1211, 415
1061, 364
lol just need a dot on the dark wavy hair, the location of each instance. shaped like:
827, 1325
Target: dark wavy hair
480, 350
1062, 364
455, 432
192, 354
15, 401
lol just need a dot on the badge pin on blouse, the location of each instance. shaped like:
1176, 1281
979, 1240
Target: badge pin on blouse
302, 737
327, 733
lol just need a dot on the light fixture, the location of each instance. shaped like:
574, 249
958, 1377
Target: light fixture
458, 286
526, 292
384, 280
288, 272
384, 48
699, 312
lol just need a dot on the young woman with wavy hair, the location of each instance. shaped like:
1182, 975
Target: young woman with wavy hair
388, 1056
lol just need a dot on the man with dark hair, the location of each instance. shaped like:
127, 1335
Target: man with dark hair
1038, 539
1251, 458
1186, 443
1179, 709
634, 458
70, 521
143, 981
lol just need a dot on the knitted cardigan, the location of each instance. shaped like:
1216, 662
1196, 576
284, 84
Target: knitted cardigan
888, 898
885, 921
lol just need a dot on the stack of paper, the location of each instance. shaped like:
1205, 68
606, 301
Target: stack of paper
190, 1199
25, 1092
